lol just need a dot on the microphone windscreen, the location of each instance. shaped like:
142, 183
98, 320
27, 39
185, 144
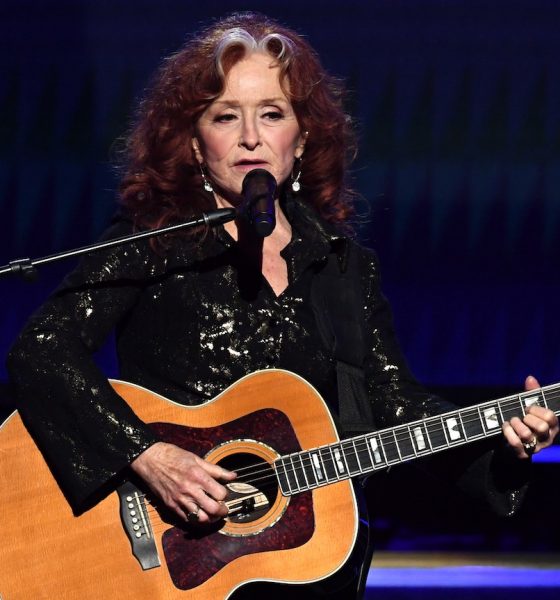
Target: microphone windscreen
259, 189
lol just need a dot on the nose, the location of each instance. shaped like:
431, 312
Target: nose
250, 136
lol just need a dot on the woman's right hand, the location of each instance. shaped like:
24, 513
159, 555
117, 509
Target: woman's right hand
185, 482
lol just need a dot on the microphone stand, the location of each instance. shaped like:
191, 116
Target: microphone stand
27, 267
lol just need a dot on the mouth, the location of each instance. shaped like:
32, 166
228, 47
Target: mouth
249, 164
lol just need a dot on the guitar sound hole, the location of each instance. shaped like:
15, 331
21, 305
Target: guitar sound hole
254, 491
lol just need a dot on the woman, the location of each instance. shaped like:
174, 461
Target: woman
195, 313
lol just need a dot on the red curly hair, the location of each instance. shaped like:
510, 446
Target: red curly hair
162, 182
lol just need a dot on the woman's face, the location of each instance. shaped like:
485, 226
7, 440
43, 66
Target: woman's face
251, 125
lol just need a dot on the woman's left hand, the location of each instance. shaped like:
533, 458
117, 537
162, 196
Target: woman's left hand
535, 431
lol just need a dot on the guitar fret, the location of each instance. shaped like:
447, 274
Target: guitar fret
462, 422
292, 479
318, 468
511, 407
328, 461
340, 461
283, 478
350, 458
425, 425
414, 440
388, 447
489, 418
311, 471
444, 430
454, 428
419, 435
366, 459
373, 446
304, 470
481, 420
499, 405
334, 452
329, 464
322, 462
436, 433
397, 444
472, 425
382, 449
360, 469
296, 473
404, 442
379, 453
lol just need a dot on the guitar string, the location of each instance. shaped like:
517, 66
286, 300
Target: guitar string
404, 433
401, 432
163, 525
358, 445
393, 437
361, 447
298, 471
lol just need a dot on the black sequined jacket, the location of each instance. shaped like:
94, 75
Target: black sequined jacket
189, 322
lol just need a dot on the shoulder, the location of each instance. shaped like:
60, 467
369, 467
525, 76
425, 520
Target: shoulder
360, 258
115, 259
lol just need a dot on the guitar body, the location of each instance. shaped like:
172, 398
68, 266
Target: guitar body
46, 552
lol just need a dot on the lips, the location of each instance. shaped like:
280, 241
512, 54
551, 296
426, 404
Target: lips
249, 163
244, 166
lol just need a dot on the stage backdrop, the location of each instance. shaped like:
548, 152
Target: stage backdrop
458, 109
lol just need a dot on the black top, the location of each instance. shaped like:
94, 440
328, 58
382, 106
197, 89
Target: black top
189, 322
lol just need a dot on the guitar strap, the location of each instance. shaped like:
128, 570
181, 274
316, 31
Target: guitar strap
338, 304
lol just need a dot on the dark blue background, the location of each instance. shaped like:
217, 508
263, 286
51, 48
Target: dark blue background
458, 108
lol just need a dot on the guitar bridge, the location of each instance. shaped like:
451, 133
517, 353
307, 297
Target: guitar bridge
136, 523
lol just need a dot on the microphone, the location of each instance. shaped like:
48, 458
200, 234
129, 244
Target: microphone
258, 189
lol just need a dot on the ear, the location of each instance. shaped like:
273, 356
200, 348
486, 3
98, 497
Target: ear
196, 150
301, 145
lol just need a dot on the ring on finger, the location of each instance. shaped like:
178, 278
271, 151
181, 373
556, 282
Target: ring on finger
530, 446
192, 516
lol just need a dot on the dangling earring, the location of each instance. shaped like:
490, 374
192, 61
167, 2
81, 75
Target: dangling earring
205, 182
296, 186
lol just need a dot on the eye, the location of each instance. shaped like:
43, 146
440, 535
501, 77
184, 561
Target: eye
224, 118
273, 115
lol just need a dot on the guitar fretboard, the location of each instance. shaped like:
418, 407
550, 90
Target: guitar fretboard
309, 469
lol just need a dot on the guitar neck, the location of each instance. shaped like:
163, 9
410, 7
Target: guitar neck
363, 454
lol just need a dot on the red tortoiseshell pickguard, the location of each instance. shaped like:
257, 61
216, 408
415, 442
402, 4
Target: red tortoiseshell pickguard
194, 555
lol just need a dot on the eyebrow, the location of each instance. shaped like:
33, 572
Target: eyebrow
263, 102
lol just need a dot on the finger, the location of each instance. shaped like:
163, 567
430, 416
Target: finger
531, 383
210, 487
514, 440
209, 482
522, 430
215, 509
216, 471
543, 413
539, 427
196, 514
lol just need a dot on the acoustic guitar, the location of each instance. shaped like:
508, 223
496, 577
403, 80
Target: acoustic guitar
292, 518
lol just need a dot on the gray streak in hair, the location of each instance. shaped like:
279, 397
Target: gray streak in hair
240, 38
